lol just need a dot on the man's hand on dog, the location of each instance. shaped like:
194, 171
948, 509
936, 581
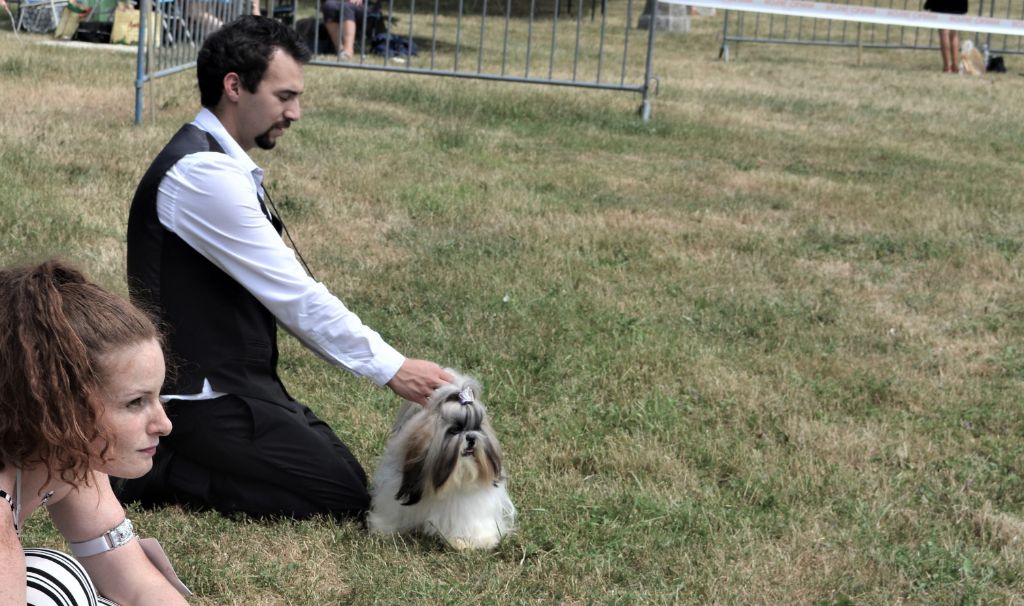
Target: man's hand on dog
417, 379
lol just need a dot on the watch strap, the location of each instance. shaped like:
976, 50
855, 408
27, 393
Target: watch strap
112, 539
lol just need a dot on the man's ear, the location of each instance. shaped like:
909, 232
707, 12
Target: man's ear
232, 86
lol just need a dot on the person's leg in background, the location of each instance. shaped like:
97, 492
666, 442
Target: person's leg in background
332, 22
352, 13
949, 43
348, 37
954, 51
944, 48
341, 19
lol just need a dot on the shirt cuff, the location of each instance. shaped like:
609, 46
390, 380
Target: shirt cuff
385, 365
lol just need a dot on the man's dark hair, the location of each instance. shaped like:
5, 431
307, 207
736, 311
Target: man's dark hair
243, 46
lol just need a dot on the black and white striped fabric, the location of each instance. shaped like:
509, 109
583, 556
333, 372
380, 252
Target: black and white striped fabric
57, 579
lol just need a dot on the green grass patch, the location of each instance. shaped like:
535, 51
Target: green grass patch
766, 349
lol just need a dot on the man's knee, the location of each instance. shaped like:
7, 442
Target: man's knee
332, 10
325, 474
353, 12
343, 486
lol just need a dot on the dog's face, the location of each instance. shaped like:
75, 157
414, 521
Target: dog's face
450, 445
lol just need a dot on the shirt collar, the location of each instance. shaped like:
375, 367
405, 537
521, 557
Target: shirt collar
207, 121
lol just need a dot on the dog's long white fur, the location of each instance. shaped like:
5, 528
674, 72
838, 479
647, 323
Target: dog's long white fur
465, 512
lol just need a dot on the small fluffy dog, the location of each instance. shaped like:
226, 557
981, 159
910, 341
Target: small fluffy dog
441, 472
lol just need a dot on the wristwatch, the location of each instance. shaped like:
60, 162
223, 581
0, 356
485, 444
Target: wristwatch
112, 539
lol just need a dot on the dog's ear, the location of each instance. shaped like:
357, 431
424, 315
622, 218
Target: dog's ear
445, 462
413, 469
493, 454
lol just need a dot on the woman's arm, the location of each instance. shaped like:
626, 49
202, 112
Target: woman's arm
123, 574
12, 561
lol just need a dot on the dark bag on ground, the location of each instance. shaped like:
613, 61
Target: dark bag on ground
306, 28
400, 46
93, 31
996, 64
318, 44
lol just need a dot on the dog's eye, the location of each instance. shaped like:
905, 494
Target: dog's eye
454, 431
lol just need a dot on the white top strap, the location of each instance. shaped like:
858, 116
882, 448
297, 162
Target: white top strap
17, 501
7, 497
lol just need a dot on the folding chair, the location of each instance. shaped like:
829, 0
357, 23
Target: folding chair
14, 23
40, 21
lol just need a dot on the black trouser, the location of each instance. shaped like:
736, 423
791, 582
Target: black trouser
241, 454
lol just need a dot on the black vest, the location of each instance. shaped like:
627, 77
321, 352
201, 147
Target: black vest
215, 328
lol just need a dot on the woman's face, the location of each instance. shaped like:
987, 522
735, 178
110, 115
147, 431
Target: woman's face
132, 412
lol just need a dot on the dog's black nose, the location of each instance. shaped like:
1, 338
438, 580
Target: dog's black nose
470, 441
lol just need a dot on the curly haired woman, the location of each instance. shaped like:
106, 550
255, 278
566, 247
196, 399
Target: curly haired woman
80, 375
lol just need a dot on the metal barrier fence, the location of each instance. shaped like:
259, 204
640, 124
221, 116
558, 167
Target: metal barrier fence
592, 44
171, 33
783, 29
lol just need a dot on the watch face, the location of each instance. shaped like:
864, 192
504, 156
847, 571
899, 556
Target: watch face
122, 533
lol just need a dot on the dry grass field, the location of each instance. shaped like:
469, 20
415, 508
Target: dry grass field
766, 349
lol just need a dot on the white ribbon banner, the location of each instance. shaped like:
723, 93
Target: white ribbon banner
864, 14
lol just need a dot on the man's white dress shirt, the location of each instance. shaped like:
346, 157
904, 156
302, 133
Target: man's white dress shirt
209, 200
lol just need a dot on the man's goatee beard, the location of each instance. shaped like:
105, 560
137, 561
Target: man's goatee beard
265, 142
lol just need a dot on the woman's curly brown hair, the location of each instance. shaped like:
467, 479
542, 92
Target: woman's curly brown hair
54, 326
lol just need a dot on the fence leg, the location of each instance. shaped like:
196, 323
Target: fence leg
723, 53
860, 44
652, 27
140, 59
